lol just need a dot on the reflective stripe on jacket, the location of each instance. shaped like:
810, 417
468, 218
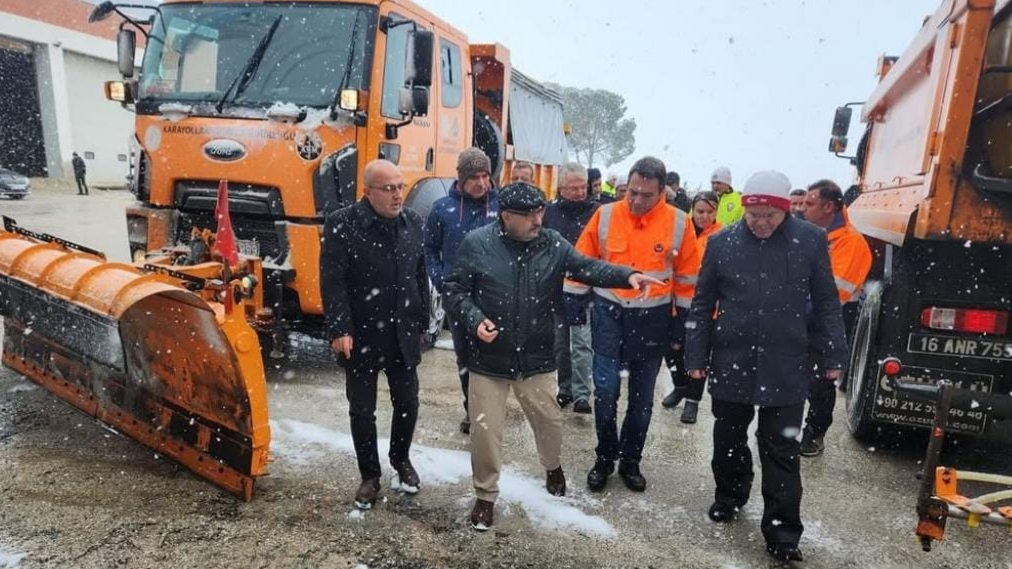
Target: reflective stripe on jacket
660, 243
850, 256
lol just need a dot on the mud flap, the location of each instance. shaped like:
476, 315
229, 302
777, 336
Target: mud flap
145, 356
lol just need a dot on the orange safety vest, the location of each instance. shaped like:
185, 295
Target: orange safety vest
660, 243
703, 237
850, 257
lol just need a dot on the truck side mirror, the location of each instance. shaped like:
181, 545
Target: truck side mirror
126, 48
413, 101
841, 126
418, 63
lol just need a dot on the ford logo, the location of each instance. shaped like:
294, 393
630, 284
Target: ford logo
224, 150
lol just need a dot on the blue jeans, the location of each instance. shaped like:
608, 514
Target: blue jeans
642, 376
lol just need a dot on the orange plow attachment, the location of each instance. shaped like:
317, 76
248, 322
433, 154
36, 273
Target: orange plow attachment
138, 351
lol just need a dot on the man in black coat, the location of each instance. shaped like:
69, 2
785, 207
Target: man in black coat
375, 300
574, 355
79, 172
763, 278
506, 288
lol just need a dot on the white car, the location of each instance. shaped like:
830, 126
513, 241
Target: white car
13, 185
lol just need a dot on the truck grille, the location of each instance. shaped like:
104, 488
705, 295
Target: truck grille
247, 228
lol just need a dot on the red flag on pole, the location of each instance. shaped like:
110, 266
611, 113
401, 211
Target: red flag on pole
225, 239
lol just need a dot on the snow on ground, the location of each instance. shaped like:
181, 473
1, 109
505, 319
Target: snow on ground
300, 443
8, 558
444, 344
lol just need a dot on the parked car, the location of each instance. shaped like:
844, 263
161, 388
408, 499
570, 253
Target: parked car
13, 185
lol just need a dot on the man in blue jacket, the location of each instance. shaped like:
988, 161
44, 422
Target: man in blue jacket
471, 204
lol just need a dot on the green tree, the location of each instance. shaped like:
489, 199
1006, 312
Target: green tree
601, 133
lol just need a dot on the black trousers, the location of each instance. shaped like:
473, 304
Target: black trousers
822, 392
82, 186
360, 386
778, 455
460, 337
691, 389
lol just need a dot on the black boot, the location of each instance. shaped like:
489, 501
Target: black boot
630, 473
689, 412
672, 399
597, 478
722, 512
784, 551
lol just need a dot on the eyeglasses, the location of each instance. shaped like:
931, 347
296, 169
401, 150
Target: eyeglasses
573, 188
389, 188
763, 216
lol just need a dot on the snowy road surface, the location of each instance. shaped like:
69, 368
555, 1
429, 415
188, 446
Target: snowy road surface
74, 494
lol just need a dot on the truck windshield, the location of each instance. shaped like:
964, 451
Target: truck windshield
198, 50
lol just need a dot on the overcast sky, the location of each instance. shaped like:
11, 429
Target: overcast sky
748, 84
744, 83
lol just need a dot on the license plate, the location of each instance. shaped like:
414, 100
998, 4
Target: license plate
248, 247
895, 407
960, 347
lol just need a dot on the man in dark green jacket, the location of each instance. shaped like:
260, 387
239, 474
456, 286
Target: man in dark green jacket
506, 288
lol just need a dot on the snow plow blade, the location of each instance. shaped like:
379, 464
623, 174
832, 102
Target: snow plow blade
138, 351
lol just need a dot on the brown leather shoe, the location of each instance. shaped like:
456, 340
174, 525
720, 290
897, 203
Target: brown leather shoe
481, 515
407, 478
367, 493
555, 482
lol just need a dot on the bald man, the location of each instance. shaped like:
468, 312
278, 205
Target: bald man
375, 301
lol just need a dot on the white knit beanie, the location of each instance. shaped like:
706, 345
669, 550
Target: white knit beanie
768, 187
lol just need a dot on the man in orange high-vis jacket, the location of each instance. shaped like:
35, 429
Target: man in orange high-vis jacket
630, 334
850, 257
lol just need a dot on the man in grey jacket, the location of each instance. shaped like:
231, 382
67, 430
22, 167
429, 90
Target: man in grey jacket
506, 288
762, 279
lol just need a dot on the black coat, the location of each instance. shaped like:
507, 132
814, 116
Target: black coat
763, 290
79, 167
569, 217
518, 286
374, 285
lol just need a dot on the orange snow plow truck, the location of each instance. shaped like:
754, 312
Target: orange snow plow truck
932, 344
287, 102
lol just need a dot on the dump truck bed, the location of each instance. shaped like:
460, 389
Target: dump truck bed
917, 174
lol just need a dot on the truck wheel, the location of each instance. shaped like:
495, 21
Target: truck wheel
862, 371
437, 317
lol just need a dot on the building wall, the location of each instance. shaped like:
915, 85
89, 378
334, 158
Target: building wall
72, 60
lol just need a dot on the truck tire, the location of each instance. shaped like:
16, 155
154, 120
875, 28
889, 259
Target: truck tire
862, 371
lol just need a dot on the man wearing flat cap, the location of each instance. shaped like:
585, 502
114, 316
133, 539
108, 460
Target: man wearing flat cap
506, 289
761, 283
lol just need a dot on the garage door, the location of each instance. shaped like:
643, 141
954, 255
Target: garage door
22, 147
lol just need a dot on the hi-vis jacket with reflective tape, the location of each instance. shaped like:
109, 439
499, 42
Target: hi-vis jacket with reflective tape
850, 256
660, 243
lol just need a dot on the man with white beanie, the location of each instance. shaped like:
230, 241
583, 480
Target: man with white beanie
729, 209
765, 279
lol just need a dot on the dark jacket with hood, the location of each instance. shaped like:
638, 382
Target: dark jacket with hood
757, 346
373, 282
450, 220
569, 217
518, 286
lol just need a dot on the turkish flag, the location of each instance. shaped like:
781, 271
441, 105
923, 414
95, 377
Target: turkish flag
224, 242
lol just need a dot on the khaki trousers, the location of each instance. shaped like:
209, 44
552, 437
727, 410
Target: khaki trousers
487, 401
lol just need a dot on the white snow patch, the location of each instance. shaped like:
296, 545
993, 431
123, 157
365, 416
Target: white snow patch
300, 442
444, 344
174, 112
10, 559
22, 387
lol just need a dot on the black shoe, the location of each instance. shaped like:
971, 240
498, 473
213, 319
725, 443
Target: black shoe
722, 512
555, 482
465, 426
689, 412
564, 400
367, 492
672, 400
597, 478
630, 473
582, 406
406, 480
784, 551
812, 446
